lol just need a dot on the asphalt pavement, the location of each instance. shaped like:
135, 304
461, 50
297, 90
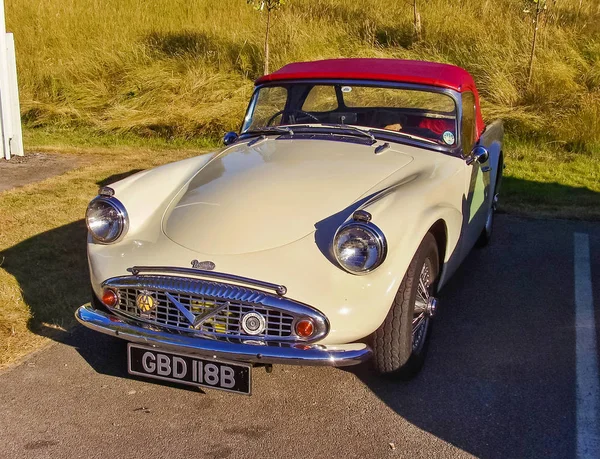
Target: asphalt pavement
500, 381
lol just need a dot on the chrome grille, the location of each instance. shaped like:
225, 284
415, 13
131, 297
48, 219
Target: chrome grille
201, 297
225, 321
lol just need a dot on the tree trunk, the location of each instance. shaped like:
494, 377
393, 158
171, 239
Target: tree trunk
417, 21
533, 43
266, 71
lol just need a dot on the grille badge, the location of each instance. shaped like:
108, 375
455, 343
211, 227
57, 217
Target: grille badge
207, 265
145, 302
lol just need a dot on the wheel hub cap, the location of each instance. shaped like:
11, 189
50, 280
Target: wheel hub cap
431, 306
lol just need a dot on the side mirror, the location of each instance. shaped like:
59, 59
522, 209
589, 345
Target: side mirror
479, 154
230, 137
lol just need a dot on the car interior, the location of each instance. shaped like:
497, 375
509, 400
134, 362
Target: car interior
333, 109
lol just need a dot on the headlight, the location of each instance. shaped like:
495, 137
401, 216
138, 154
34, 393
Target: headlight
359, 247
106, 219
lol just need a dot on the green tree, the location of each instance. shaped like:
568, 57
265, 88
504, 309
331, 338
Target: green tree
268, 6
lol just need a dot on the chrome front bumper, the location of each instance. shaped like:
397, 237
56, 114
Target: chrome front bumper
330, 355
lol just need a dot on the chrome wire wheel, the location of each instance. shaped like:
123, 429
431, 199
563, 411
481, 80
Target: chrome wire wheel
424, 307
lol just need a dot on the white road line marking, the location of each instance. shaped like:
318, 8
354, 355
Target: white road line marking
588, 380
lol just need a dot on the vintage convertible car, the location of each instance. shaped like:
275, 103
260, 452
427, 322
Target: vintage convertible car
319, 235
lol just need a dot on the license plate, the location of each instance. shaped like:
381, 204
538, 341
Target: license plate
185, 369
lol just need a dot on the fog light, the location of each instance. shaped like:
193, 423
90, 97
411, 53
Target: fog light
110, 298
305, 328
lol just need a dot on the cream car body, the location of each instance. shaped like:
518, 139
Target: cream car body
248, 208
268, 207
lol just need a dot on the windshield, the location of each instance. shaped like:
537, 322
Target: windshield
421, 114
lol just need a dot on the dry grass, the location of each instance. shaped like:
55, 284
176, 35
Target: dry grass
185, 67
43, 274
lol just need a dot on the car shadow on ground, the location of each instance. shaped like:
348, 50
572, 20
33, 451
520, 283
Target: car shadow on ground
53, 275
499, 380
107, 355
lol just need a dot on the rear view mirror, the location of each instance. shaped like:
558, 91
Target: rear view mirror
479, 154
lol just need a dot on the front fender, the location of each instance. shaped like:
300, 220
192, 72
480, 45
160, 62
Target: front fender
406, 211
404, 240
147, 193
405, 208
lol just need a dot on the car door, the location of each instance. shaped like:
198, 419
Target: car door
476, 177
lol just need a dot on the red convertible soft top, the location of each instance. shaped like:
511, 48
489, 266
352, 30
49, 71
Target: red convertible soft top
396, 70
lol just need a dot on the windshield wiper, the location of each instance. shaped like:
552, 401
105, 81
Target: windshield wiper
271, 130
404, 134
351, 128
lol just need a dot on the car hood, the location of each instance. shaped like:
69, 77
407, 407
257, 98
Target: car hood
253, 198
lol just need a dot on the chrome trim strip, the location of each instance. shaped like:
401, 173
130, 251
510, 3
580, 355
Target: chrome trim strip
223, 292
191, 318
279, 289
330, 355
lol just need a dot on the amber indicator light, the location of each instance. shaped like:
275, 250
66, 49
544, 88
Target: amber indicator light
110, 298
305, 328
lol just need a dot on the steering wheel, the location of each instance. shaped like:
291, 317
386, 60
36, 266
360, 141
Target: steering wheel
281, 112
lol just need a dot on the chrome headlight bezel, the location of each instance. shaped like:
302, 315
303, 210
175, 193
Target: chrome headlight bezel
121, 217
376, 237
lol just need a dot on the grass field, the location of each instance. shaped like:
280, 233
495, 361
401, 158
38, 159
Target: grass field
134, 83
184, 68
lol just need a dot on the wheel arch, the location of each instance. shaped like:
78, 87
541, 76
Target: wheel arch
439, 231
500, 172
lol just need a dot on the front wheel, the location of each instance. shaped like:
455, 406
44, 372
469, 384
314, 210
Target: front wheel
400, 344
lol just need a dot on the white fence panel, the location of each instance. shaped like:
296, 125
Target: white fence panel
10, 112
16, 141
